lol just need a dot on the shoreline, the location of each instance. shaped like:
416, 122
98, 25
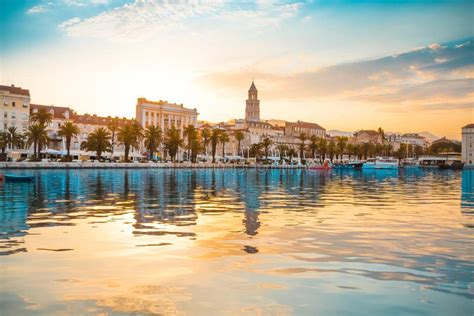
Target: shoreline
114, 165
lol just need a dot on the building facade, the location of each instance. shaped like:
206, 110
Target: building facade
252, 105
164, 114
15, 103
309, 129
467, 149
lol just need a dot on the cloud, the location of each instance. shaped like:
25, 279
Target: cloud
40, 8
142, 18
422, 79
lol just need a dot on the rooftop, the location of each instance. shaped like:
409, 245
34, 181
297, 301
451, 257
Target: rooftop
469, 126
59, 112
15, 90
304, 125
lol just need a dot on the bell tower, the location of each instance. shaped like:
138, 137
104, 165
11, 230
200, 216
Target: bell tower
252, 108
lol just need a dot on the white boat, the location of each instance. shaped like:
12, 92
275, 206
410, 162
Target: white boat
381, 163
409, 163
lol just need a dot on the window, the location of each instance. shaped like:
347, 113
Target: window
5, 114
5, 103
13, 115
25, 105
13, 103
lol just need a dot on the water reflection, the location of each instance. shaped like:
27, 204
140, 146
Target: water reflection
270, 230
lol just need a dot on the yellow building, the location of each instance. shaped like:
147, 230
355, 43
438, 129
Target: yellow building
164, 114
15, 103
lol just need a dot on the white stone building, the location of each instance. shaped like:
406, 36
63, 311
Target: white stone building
15, 104
467, 151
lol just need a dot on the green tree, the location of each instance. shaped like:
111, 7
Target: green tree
98, 141
239, 136
291, 153
313, 146
42, 117
223, 139
191, 134
322, 145
331, 149
266, 143
302, 137
215, 137
341, 144
113, 126
153, 138
172, 142
130, 135
14, 138
3, 145
37, 136
205, 135
255, 150
282, 149
68, 130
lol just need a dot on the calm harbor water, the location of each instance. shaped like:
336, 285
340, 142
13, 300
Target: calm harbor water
203, 242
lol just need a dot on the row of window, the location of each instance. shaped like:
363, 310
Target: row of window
5, 103
14, 116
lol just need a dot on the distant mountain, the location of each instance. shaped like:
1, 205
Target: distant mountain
335, 132
429, 136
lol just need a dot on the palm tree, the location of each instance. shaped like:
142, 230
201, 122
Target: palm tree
215, 137
322, 145
14, 139
381, 134
313, 146
130, 135
266, 143
68, 130
239, 136
223, 138
282, 149
205, 134
113, 126
37, 136
43, 117
98, 141
302, 137
341, 144
256, 150
191, 135
331, 149
153, 138
172, 142
3, 144
291, 153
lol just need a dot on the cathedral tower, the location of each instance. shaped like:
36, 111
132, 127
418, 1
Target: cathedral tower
252, 108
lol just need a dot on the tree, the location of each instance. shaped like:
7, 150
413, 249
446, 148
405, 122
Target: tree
37, 136
153, 138
172, 142
14, 139
3, 144
341, 142
282, 149
381, 134
113, 126
68, 130
205, 134
191, 135
256, 150
266, 143
215, 137
331, 149
239, 136
302, 137
313, 146
43, 117
322, 145
98, 141
291, 153
223, 138
130, 135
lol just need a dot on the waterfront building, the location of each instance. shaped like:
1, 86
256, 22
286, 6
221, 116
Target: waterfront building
412, 139
15, 103
252, 105
467, 145
294, 129
367, 136
164, 114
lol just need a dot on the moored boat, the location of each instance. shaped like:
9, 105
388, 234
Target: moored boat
18, 178
381, 163
325, 166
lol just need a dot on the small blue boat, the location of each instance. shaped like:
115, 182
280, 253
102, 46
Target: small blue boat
18, 178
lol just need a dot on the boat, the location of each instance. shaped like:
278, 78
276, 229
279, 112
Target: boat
409, 163
18, 178
348, 165
325, 166
380, 163
451, 165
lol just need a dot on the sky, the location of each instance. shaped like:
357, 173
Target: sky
407, 66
